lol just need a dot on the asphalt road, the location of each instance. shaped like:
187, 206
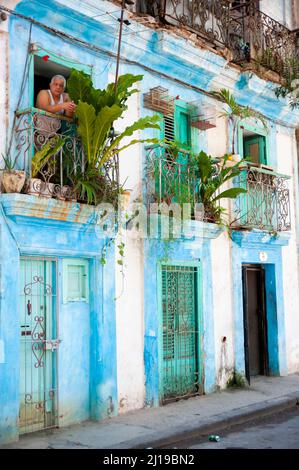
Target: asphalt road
280, 431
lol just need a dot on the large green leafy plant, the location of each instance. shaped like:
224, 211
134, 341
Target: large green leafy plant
97, 110
211, 180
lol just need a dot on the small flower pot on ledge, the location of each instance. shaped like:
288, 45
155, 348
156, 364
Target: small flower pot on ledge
37, 187
13, 180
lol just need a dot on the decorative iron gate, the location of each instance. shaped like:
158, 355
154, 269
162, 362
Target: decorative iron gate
38, 361
180, 370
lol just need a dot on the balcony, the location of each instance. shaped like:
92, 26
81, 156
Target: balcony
58, 177
266, 205
171, 178
241, 27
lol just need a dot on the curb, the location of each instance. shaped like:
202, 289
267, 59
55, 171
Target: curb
222, 421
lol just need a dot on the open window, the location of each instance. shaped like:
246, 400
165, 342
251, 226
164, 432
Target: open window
45, 65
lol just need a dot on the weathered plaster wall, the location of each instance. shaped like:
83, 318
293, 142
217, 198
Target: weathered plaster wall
279, 10
286, 149
223, 313
166, 55
87, 355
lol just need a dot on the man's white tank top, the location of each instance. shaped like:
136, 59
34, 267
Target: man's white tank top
52, 102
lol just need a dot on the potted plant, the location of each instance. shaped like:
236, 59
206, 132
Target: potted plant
236, 114
96, 111
211, 182
12, 179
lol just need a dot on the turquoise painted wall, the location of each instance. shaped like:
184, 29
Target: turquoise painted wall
62, 239
87, 354
246, 249
191, 250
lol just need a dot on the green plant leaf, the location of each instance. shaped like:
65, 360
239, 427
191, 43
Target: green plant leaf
231, 193
102, 126
86, 115
42, 157
79, 86
148, 122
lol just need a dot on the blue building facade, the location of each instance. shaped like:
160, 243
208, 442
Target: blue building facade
51, 250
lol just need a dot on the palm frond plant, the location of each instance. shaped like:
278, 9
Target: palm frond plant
211, 181
97, 110
236, 113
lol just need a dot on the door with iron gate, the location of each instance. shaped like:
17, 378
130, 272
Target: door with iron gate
179, 365
39, 343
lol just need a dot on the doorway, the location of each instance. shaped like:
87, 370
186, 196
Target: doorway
255, 321
38, 345
180, 367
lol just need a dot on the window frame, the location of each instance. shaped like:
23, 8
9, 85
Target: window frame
58, 59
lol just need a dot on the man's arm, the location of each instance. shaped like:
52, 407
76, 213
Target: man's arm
69, 112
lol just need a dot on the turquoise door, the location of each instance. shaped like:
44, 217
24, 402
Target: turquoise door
258, 204
39, 343
180, 373
255, 149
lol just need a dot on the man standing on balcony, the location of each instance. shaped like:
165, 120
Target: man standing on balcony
55, 101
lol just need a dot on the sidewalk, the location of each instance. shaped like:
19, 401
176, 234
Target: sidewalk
163, 426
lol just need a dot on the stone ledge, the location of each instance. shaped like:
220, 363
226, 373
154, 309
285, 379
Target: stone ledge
253, 237
43, 208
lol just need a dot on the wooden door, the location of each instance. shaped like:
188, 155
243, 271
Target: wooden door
255, 323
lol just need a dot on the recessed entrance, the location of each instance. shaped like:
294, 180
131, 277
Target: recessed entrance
180, 368
255, 321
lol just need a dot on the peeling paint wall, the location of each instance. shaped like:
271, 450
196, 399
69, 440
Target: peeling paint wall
118, 345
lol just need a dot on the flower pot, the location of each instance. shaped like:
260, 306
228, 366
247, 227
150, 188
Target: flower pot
62, 192
34, 186
13, 180
47, 189
37, 187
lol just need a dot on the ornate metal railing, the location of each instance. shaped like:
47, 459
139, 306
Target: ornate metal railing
169, 178
238, 26
33, 130
36, 128
266, 205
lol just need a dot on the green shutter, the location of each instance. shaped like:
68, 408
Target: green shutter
75, 280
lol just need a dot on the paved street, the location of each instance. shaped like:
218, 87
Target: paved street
280, 431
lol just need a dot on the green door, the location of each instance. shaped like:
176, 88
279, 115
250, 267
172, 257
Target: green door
258, 203
38, 337
180, 375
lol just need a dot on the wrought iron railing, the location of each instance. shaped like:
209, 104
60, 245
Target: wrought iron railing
33, 130
169, 178
57, 177
266, 205
238, 26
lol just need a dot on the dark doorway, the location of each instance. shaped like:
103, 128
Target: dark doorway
44, 71
255, 321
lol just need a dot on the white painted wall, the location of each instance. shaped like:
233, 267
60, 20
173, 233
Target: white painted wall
279, 10
129, 286
222, 305
286, 150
